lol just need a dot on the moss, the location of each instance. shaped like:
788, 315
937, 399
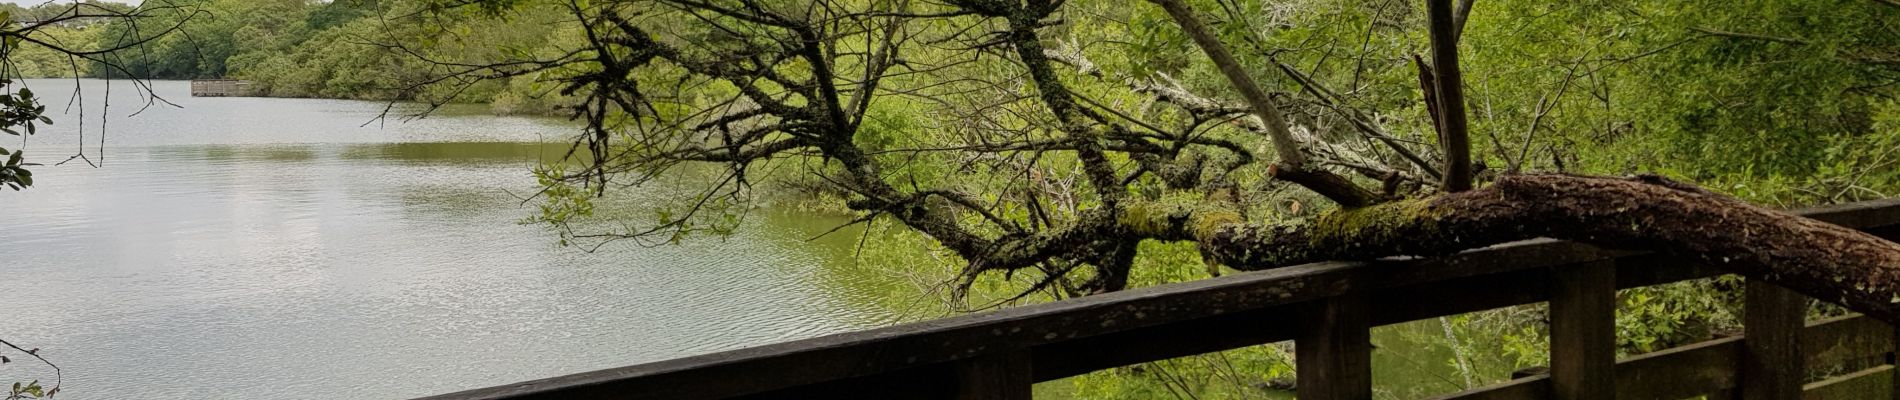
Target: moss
1178, 213
1208, 221
1374, 223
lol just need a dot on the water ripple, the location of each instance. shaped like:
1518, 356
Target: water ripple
252, 248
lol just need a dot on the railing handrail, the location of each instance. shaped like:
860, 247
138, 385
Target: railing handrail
1065, 329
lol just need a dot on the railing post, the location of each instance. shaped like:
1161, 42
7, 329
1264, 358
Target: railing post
1333, 353
1772, 363
1893, 358
1583, 332
1002, 376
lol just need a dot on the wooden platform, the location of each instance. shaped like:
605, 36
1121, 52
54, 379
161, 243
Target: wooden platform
220, 88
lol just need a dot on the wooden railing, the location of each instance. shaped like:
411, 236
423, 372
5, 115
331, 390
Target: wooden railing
220, 88
1327, 308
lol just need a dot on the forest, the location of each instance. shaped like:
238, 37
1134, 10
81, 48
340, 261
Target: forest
1797, 110
997, 153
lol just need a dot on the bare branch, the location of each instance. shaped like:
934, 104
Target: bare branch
1751, 36
1449, 85
1358, 120
1293, 166
1463, 14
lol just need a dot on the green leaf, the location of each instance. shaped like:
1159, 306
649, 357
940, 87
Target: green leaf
15, 159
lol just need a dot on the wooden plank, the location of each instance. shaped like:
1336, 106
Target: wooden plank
845, 356
1583, 332
1392, 306
1676, 373
783, 365
1462, 295
1858, 215
1333, 355
923, 383
1230, 331
842, 356
1871, 383
1851, 343
1681, 372
1773, 367
1526, 388
1004, 376
1655, 269
1706, 367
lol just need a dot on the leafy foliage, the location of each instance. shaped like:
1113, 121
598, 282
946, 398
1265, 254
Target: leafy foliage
355, 49
30, 390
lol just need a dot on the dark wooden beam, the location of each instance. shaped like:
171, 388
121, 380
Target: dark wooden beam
1333, 355
1005, 376
1583, 332
1711, 366
1772, 364
1871, 383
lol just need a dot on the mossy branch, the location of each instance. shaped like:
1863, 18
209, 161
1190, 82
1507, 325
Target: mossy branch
1821, 260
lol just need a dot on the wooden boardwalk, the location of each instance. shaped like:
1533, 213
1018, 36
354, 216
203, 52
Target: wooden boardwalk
1327, 308
220, 88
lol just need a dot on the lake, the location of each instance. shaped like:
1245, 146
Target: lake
252, 248
278, 248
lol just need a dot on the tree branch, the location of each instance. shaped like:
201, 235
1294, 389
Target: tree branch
1739, 35
1293, 165
1463, 14
1450, 97
1358, 121
1821, 260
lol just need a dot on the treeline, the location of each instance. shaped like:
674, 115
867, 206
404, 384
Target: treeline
349, 49
50, 10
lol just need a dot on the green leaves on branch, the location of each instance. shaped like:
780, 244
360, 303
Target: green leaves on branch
13, 174
30, 390
19, 111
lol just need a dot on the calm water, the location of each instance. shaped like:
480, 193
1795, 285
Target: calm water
273, 248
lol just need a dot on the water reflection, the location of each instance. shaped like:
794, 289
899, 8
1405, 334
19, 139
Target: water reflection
457, 153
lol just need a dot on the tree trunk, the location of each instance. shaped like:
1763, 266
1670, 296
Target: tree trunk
1818, 259
1450, 95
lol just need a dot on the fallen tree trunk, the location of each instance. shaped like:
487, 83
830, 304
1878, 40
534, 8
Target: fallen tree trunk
1821, 260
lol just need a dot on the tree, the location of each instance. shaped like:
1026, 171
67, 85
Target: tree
981, 124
